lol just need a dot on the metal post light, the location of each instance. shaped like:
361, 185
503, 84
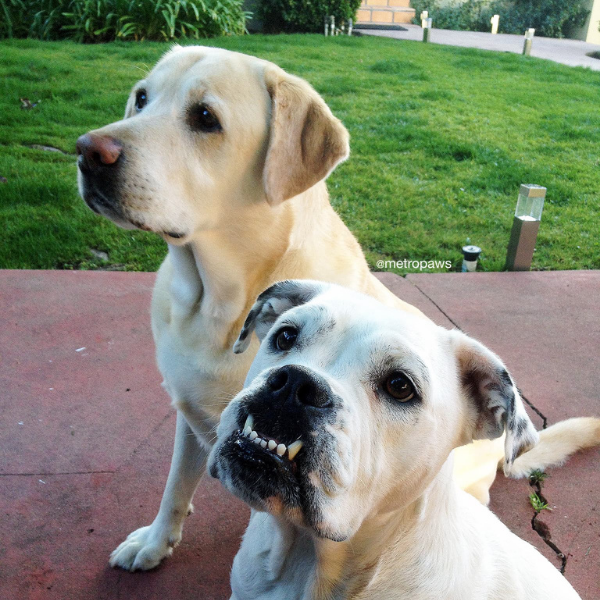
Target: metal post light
495, 20
424, 16
526, 224
528, 42
427, 28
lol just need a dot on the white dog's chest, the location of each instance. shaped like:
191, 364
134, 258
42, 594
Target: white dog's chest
272, 565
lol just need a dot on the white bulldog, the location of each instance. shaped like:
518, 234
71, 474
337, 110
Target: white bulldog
341, 443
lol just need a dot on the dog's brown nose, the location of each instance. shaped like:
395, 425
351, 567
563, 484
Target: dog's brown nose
98, 150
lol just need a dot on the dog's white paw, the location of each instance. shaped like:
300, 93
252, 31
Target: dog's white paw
144, 549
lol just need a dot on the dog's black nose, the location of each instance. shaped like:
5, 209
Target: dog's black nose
300, 386
97, 151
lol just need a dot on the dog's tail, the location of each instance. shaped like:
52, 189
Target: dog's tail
557, 443
475, 465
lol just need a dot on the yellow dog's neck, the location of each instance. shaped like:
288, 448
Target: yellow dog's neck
223, 269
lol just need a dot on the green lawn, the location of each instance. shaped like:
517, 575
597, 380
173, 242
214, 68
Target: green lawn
441, 139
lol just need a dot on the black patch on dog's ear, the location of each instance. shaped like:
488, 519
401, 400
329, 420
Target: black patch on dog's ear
494, 405
272, 303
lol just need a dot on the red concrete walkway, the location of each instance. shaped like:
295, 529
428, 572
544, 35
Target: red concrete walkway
86, 430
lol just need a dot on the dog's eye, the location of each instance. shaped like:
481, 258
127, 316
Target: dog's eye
399, 387
201, 118
286, 338
140, 100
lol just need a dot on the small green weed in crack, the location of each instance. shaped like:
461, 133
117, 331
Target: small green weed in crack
537, 478
538, 504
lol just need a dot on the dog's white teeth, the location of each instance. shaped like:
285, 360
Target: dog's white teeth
248, 425
293, 449
272, 445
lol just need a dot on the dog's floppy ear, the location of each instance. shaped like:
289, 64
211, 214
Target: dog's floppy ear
272, 303
494, 405
306, 141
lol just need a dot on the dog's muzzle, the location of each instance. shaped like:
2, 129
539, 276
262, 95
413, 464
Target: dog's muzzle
279, 437
100, 159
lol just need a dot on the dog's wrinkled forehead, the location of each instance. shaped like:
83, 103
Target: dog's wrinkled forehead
339, 329
362, 344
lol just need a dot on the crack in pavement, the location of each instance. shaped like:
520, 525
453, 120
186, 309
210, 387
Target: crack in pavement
537, 525
542, 529
528, 402
436, 305
534, 409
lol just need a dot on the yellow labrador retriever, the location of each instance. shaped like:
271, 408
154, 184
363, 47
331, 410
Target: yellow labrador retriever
225, 156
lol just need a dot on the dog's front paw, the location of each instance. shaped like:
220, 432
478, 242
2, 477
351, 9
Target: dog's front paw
144, 549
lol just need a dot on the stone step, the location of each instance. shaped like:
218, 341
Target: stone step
383, 14
385, 3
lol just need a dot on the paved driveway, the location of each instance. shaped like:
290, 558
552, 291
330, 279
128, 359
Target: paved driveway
86, 431
567, 52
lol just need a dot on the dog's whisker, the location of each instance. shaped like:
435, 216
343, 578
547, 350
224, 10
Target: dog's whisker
145, 70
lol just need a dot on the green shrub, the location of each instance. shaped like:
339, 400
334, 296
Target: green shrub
304, 16
106, 20
471, 15
550, 18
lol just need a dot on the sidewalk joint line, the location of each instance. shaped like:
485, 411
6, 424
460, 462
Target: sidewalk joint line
145, 441
59, 473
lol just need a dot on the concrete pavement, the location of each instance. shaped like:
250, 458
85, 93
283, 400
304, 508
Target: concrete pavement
86, 431
567, 52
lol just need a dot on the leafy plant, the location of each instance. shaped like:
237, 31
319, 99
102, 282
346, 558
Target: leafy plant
304, 16
11, 24
550, 18
107, 20
537, 503
468, 15
537, 477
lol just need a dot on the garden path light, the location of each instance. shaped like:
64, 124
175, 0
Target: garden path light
470, 256
426, 28
495, 20
528, 41
526, 224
